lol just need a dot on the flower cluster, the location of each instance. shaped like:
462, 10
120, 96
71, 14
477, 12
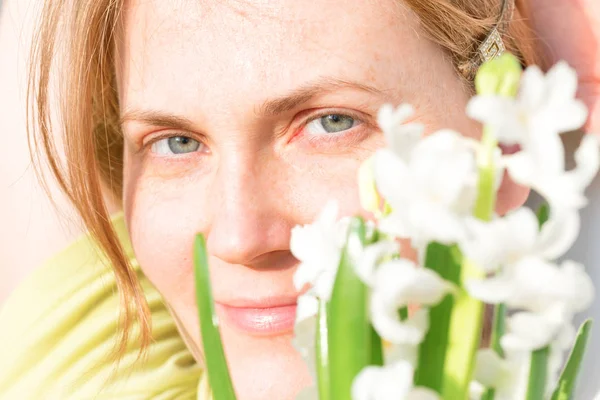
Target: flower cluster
431, 189
516, 253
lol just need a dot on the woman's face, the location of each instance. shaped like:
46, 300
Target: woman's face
241, 119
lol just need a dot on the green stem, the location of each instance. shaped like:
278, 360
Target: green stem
323, 373
538, 372
498, 328
498, 77
467, 314
486, 199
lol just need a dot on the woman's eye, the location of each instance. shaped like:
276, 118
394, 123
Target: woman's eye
176, 145
331, 123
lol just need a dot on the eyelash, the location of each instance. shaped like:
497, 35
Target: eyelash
313, 139
146, 147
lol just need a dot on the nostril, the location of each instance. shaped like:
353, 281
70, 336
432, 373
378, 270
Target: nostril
274, 261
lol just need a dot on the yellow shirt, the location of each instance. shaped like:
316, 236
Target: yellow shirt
58, 328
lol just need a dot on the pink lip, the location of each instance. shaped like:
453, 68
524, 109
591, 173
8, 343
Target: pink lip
260, 320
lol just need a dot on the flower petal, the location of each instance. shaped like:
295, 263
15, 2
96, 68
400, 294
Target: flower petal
498, 112
422, 393
395, 225
305, 329
386, 322
318, 246
578, 286
587, 158
392, 178
444, 186
567, 112
371, 256
490, 369
492, 290
495, 243
400, 282
367, 190
431, 222
531, 92
390, 382
521, 168
528, 332
562, 82
558, 234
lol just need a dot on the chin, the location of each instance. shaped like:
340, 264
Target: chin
264, 367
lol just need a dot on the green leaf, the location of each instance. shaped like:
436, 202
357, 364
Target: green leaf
216, 364
376, 348
349, 329
543, 213
446, 261
403, 313
568, 377
323, 373
538, 374
498, 328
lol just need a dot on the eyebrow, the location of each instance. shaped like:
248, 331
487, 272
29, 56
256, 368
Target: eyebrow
157, 118
269, 108
309, 91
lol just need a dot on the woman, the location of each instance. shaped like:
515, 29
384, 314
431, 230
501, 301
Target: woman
237, 120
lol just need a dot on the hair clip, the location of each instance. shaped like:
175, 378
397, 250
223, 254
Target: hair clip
493, 46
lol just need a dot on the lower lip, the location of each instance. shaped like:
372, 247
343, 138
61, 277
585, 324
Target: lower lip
260, 321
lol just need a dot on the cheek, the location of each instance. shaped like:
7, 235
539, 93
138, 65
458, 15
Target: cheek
162, 230
162, 234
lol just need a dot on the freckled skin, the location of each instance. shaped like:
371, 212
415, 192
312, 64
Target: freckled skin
215, 64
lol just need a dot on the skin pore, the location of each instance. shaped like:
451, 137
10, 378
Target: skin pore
241, 119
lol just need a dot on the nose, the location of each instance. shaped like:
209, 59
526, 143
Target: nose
249, 223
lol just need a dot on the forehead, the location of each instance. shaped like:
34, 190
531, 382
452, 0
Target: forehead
205, 52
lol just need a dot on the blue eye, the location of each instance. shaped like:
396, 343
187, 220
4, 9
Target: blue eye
176, 145
331, 123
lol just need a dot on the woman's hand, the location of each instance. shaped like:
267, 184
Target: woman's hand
570, 30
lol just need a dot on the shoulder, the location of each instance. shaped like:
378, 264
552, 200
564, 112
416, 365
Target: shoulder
60, 326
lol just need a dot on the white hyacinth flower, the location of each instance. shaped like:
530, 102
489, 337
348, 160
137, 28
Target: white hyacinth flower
390, 382
428, 202
319, 246
562, 189
529, 331
545, 104
508, 377
371, 256
400, 135
539, 286
545, 107
397, 284
305, 329
504, 241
